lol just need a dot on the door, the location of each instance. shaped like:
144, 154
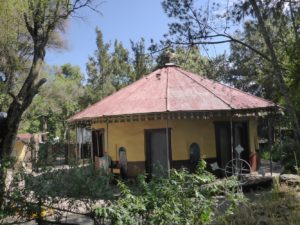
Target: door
241, 138
98, 143
223, 141
158, 153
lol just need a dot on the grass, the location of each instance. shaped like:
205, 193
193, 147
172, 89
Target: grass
279, 206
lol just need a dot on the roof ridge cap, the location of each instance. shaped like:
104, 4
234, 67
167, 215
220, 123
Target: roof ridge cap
167, 87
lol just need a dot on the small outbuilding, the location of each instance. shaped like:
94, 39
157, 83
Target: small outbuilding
26, 147
21, 151
172, 118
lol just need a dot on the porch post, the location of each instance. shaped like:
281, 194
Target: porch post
81, 144
68, 146
231, 136
231, 139
270, 143
76, 144
167, 144
106, 149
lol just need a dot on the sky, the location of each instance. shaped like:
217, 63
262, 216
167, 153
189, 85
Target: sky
123, 20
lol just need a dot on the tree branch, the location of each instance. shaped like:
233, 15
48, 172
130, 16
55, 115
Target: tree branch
13, 96
29, 28
40, 83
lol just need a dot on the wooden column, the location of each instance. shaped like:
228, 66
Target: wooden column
270, 141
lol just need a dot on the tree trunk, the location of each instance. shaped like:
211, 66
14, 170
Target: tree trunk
19, 105
15, 112
277, 70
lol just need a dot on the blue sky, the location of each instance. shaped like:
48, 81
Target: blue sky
123, 20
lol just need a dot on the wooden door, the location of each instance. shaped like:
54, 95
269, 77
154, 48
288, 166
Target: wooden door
223, 141
98, 142
241, 138
158, 152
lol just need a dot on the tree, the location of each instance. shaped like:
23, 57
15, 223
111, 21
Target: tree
12, 49
141, 62
121, 67
99, 82
41, 21
107, 70
248, 71
189, 58
196, 25
57, 100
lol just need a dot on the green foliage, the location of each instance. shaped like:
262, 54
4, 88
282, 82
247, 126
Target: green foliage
251, 73
188, 58
75, 182
58, 100
286, 152
289, 151
184, 198
265, 55
42, 154
50, 188
277, 207
141, 62
4, 98
107, 71
14, 45
121, 67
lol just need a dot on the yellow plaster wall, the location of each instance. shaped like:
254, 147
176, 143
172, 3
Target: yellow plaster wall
183, 134
19, 151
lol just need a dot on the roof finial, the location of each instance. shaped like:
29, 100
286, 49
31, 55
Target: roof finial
169, 57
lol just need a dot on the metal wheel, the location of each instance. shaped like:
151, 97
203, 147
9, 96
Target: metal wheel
239, 168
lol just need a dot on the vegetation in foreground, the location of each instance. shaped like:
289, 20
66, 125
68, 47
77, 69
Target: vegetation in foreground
287, 153
280, 206
183, 198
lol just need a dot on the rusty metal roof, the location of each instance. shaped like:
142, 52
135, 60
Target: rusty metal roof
24, 137
172, 89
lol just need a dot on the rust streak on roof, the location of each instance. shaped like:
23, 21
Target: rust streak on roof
172, 89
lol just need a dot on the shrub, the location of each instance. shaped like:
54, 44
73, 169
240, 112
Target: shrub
183, 198
287, 152
75, 182
276, 207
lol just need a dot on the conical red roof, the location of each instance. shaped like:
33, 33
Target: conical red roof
172, 89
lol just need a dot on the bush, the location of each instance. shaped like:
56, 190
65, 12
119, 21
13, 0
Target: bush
76, 182
287, 152
54, 190
183, 198
276, 207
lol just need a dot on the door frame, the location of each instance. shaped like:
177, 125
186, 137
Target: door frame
102, 131
245, 123
147, 133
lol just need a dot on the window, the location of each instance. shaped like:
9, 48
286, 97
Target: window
85, 151
84, 142
194, 153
